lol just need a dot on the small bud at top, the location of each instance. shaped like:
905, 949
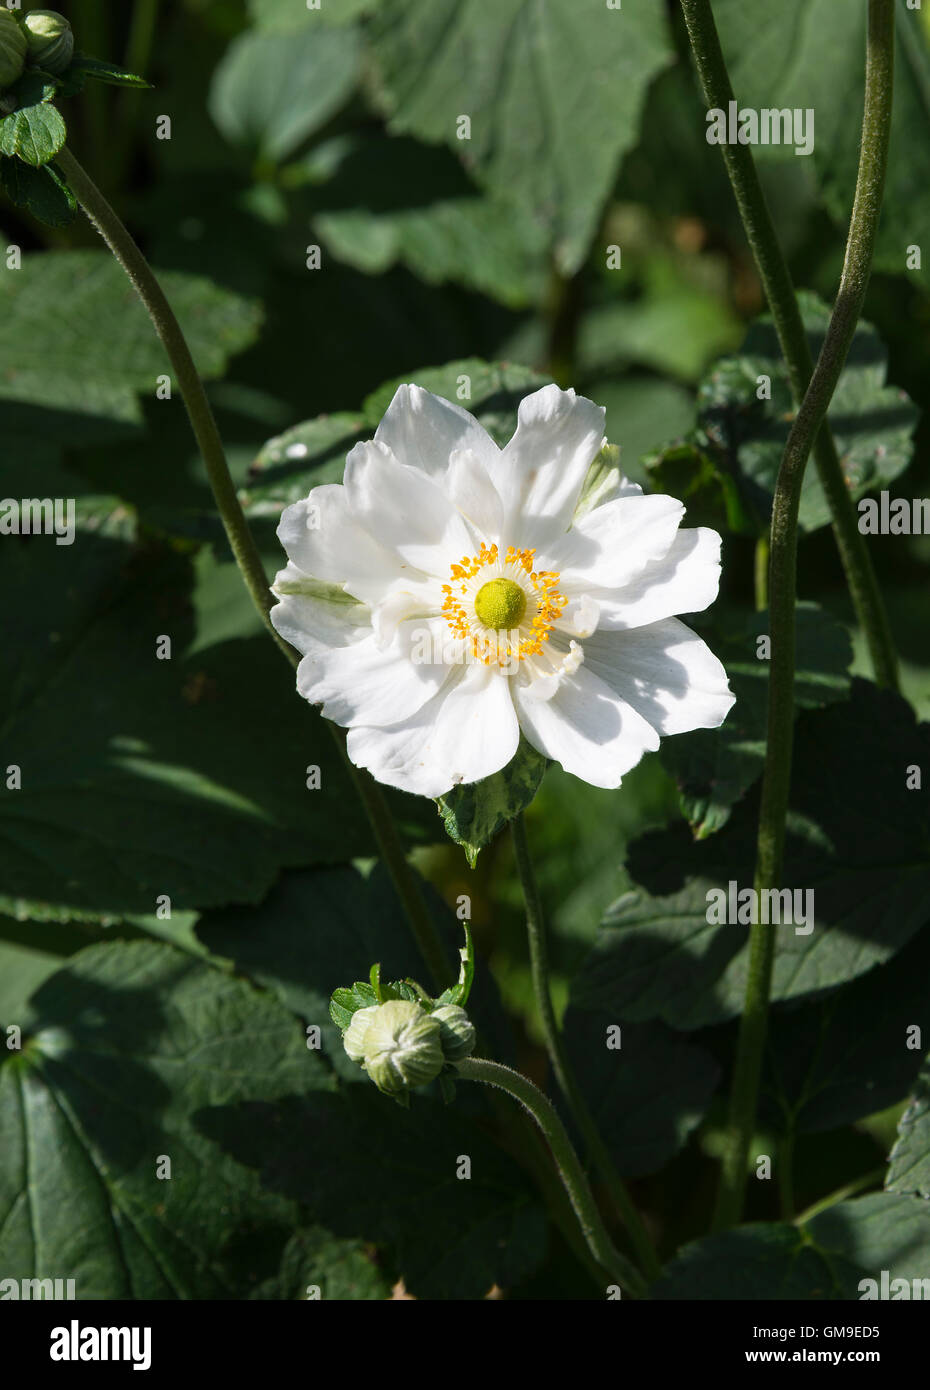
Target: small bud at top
456, 1032
12, 48
50, 40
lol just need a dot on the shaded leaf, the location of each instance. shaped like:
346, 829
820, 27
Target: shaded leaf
715, 767
827, 1257
647, 1094
872, 423
271, 91
850, 1055
909, 1164
43, 192
553, 92
865, 859
122, 1051
488, 1230
78, 343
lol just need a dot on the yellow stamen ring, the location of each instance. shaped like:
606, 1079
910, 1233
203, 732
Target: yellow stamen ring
505, 618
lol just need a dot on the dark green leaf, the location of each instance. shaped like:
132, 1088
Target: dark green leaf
828, 1257
42, 191
909, 1164
84, 67
866, 859
647, 1088
714, 768
273, 90
484, 1231
553, 92
395, 202
34, 131
839, 1060
78, 343
473, 814
174, 779
872, 423
124, 1052
316, 1264
776, 59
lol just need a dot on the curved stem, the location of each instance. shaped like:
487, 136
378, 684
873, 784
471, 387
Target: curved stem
539, 966
762, 573
877, 1175
241, 541
189, 383
567, 1162
779, 291
776, 777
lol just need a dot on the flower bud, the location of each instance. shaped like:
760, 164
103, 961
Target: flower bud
50, 40
12, 48
402, 1047
456, 1032
353, 1039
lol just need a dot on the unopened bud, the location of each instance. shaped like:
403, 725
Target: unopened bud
402, 1047
12, 48
456, 1032
50, 40
353, 1039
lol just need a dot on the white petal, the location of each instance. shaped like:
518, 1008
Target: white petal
586, 728
466, 732
685, 580
324, 539
423, 601
611, 545
422, 430
469, 484
405, 510
542, 470
311, 613
364, 683
664, 671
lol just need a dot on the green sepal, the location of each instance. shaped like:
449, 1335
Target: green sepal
33, 130
345, 1002
447, 1086
43, 192
83, 66
473, 814
459, 992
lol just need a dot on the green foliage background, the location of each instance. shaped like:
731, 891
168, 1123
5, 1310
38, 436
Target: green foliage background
146, 1036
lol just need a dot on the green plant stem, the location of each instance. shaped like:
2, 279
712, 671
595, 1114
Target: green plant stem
762, 573
776, 777
539, 966
241, 541
779, 291
848, 1190
567, 1162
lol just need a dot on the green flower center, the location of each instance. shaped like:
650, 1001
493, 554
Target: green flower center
500, 604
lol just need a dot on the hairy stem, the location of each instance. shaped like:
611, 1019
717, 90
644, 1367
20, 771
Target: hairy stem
241, 540
567, 1162
776, 778
779, 291
539, 966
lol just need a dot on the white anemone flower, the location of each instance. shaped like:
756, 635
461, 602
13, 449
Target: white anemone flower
451, 594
